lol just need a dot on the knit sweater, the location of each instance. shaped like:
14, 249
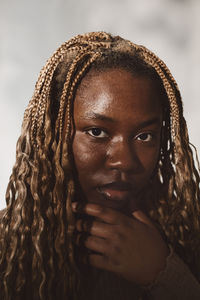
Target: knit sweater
175, 282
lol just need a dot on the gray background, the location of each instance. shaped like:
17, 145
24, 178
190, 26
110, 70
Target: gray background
31, 30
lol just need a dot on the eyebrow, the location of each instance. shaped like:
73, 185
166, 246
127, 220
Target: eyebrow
153, 121
96, 116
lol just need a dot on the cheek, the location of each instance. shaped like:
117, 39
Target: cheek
87, 158
149, 159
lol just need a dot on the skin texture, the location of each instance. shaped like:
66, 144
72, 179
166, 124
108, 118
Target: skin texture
118, 120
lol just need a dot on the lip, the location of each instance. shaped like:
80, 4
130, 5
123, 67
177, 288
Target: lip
116, 191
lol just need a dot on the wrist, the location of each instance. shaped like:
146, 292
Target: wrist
154, 275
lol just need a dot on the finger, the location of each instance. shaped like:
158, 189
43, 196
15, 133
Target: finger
95, 228
103, 262
96, 244
83, 225
140, 216
80, 239
97, 260
105, 214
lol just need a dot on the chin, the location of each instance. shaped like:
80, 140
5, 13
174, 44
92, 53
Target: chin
113, 203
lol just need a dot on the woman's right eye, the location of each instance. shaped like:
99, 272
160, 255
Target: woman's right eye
97, 133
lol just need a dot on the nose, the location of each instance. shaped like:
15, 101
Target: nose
122, 156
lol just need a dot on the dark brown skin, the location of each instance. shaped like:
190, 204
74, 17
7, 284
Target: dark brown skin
118, 120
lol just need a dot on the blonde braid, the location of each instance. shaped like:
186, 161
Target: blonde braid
156, 63
36, 107
183, 158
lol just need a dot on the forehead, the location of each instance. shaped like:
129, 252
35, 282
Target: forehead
117, 92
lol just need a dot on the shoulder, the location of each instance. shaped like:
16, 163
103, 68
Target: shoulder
176, 281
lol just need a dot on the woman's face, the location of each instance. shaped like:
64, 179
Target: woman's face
118, 120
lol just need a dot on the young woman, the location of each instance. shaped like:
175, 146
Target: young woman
103, 200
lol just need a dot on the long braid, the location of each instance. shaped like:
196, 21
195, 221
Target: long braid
39, 161
185, 185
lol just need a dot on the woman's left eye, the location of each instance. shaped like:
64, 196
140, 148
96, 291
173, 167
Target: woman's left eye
145, 137
97, 133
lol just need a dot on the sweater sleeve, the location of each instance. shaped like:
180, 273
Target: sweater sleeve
175, 282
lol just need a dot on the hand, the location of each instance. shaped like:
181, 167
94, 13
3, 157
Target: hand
130, 247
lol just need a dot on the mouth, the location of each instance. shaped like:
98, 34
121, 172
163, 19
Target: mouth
116, 191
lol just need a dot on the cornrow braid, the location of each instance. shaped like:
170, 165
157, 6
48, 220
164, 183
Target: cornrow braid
37, 252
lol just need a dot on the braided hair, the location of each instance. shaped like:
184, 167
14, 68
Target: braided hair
37, 258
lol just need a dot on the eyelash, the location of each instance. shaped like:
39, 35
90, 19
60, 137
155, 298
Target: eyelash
96, 136
101, 131
146, 134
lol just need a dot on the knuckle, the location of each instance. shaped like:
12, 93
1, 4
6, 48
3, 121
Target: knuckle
114, 250
95, 209
112, 219
116, 236
100, 209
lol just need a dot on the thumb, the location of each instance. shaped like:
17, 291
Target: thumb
140, 216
